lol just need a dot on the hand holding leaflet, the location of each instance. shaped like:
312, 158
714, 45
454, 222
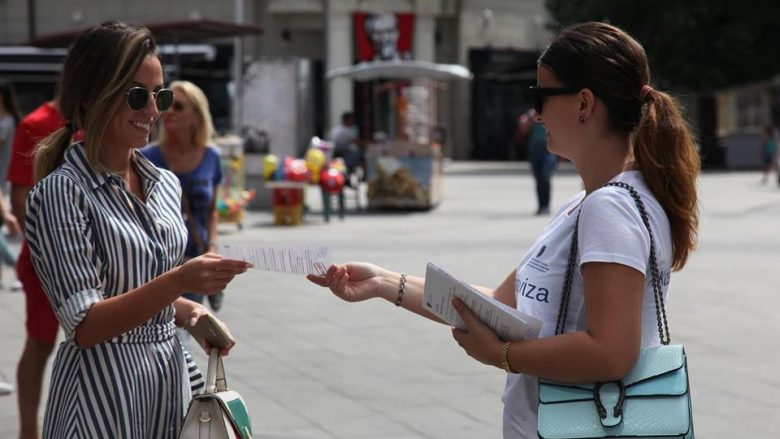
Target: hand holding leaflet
509, 324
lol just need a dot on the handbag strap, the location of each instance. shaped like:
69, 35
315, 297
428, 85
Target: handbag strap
655, 274
215, 374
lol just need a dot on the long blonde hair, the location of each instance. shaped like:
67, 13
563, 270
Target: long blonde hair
606, 60
200, 104
99, 67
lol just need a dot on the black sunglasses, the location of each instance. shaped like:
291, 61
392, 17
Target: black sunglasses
539, 93
138, 98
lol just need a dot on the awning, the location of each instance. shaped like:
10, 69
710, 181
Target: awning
166, 32
400, 70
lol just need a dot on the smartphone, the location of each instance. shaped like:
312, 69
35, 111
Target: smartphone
209, 330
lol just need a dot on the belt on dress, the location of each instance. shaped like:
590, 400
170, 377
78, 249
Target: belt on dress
149, 333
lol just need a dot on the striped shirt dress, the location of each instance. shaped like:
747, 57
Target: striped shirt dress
92, 239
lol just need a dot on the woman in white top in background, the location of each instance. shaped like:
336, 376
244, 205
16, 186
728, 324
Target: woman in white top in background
594, 98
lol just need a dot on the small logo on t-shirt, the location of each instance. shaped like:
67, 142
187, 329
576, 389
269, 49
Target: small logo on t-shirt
538, 264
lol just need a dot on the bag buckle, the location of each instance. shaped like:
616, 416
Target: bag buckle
616, 417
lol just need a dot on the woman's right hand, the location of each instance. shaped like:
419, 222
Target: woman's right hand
209, 273
353, 281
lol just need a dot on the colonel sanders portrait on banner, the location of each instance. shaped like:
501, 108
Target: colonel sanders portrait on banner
383, 37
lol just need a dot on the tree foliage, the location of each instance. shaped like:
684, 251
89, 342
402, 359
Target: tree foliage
697, 45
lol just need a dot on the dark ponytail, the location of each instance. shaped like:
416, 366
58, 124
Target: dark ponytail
666, 153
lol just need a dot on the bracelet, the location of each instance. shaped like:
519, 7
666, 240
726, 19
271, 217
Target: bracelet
505, 357
401, 290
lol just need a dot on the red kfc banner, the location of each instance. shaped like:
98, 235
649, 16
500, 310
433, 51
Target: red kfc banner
383, 36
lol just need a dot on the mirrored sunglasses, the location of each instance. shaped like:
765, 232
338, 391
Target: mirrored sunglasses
138, 98
538, 94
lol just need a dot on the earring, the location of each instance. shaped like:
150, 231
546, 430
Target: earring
582, 119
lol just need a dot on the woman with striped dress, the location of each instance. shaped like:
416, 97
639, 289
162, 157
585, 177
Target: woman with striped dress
106, 235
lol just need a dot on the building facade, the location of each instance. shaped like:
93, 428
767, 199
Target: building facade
498, 40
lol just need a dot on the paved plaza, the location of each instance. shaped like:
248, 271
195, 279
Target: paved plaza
311, 366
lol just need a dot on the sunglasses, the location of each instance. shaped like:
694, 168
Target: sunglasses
138, 98
539, 93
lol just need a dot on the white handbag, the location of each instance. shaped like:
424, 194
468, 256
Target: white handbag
217, 413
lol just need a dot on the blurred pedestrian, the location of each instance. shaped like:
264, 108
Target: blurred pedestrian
768, 153
184, 147
542, 161
8, 220
106, 235
9, 118
8, 258
40, 321
346, 145
594, 98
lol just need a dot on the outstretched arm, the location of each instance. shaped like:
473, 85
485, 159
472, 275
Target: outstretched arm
111, 317
358, 281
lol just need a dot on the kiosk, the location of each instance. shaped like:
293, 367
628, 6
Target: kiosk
404, 153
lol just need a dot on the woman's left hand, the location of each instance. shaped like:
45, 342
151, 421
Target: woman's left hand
223, 351
189, 312
478, 340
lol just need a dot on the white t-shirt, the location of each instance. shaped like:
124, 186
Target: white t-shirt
611, 230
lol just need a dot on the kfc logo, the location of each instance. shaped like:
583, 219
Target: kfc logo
383, 37
382, 29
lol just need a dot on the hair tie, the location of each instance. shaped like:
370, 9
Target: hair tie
644, 91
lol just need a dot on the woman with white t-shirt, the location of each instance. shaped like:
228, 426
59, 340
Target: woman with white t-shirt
594, 98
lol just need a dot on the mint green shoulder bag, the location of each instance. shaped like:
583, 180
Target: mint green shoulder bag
652, 401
